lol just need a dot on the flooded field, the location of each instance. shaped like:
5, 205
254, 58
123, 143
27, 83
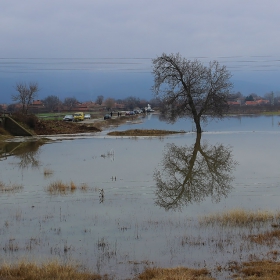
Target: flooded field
119, 204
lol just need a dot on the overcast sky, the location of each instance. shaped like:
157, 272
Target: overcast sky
82, 47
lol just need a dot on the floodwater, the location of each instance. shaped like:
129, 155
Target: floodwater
137, 200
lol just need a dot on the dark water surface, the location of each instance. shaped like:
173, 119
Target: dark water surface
117, 219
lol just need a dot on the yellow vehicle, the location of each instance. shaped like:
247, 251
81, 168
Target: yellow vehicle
79, 116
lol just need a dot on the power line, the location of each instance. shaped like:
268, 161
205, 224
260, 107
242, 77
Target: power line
119, 64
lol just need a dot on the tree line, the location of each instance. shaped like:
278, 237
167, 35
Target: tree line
27, 93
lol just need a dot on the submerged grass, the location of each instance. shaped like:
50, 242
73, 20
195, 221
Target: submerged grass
240, 218
73, 187
48, 171
266, 238
12, 188
58, 187
84, 187
50, 270
178, 273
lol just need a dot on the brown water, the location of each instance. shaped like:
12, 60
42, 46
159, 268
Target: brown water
128, 216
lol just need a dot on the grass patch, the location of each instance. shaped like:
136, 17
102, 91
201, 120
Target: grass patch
256, 270
240, 218
143, 132
178, 273
272, 113
51, 270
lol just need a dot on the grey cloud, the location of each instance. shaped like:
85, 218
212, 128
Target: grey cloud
139, 29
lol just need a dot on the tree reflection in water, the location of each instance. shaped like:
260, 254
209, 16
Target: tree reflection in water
190, 174
27, 152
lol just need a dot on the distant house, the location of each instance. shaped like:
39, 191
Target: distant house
36, 104
241, 100
262, 101
119, 106
4, 107
257, 102
251, 103
233, 103
81, 107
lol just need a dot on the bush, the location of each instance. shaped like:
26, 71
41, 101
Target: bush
29, 120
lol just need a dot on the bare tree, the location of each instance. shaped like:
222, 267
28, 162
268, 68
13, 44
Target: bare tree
131, 102
234, 96
109, 103
26, 95
190, 89
70, 102
52, 103
11, 108
99, 99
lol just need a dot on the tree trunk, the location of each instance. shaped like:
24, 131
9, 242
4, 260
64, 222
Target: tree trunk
198, 126
196, 120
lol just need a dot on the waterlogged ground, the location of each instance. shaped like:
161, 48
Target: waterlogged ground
121, 211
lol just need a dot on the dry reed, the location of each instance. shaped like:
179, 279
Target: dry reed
240, 217
50, 270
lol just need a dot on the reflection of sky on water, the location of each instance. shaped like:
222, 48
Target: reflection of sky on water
128, 219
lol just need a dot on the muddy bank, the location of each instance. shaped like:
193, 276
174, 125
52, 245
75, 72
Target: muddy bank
51, 127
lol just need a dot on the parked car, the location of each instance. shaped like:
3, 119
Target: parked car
107, 116
79, 116
68, 118
87, 116
129, 113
